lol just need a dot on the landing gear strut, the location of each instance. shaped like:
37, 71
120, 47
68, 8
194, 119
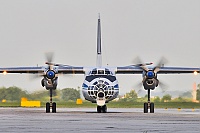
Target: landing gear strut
149, 105
102, 109
50, 105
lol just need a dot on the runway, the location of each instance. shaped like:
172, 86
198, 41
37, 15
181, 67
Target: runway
82, 120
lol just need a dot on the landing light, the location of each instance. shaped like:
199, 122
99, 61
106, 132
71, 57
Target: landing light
4, 72
195, 72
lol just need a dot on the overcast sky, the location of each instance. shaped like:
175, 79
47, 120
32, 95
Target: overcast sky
149, 29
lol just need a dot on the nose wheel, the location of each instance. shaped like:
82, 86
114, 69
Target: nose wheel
149, 105
102, 109
50, 105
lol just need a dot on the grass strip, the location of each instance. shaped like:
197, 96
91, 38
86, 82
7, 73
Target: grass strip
113, 104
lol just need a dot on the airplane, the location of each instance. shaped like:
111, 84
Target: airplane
100, 85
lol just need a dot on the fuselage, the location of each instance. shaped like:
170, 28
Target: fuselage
100, 84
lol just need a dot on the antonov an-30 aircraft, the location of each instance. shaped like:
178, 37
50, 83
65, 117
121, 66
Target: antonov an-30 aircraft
100, 85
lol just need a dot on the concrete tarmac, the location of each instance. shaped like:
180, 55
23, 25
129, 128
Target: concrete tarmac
82, 120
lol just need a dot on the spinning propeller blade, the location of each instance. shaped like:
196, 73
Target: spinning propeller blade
161, 63
49, 56
139, 63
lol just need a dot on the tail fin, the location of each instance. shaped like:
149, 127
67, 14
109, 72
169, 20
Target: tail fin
99, 56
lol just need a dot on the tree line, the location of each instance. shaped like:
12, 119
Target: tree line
15, 94
133, 96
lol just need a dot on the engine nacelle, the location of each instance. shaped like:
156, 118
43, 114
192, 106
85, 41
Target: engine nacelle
150, 83
49, 83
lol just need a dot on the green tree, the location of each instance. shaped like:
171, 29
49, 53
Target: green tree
166, 98
42, 95
187, 94
131, 96
2, 93
198, 94
198, 86
70, 94
12, 93
182, 99
146, 96
157, 99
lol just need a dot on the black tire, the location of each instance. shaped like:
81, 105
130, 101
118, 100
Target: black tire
151, 107
145, 107
104, 108
53, 107
47, 107
99, 109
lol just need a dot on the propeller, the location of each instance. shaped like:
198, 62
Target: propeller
49, 56
35, 76
151, 73
163, 86
138, 62
49, 73
49, 62
161, 63
139, 87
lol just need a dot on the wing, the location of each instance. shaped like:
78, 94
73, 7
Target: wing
162, 70
35, 70
32, 70
178, 70
129, 70
71, 70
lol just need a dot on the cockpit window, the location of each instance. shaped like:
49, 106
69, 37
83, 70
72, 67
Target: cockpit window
100, 71
94, 72
107, 72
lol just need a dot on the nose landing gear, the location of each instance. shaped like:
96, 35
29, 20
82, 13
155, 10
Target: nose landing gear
50, 105
149, 105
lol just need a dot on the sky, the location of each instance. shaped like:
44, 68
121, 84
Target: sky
149, 29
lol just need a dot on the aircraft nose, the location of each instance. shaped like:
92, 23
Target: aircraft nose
100, 94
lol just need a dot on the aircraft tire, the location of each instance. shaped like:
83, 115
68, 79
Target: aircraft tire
53, 107
145, 107
99, 108
104, 108
47, 107
151, 107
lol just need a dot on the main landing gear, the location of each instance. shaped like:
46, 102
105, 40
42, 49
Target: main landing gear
50, 105
148, 105
102, 109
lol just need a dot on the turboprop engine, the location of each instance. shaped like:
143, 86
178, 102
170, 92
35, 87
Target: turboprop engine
50, 78
150, 80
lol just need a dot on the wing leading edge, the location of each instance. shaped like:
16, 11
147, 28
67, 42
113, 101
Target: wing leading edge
80, 70
162, 70
35, 70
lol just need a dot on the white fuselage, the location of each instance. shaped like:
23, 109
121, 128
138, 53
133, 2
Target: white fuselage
100, 85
